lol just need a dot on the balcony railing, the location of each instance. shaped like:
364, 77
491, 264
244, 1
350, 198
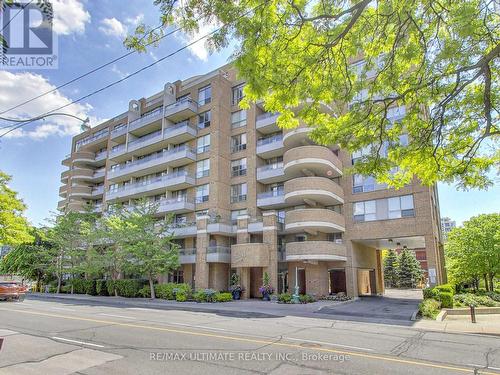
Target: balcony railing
151, 181
100, 134
271, 193
269, 140
147, 117
144, 138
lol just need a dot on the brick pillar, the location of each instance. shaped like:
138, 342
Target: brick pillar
244, 273
188, 274
242, 235
270, 237
202, 241
379, 273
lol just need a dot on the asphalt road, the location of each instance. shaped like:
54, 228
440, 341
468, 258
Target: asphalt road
51, 337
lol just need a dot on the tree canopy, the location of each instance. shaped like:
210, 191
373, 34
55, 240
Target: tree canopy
345, 67
473, 250
14, 227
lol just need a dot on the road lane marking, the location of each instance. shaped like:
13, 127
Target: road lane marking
77, 342
117, 316
195, 326
421, 363
326, 343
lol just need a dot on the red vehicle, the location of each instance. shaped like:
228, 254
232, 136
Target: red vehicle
10, 290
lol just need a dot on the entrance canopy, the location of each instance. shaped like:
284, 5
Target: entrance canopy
415, 242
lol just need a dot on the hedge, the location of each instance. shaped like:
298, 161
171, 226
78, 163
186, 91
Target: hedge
100, 288
448, 288
223, 297
446, 299
125, 287
429, 308
170, 290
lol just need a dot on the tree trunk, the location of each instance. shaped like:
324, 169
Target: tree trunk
492, 286
485, 277
152, 287
59, 279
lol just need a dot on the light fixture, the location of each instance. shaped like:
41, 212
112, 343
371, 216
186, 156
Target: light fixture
398, 243
390, 240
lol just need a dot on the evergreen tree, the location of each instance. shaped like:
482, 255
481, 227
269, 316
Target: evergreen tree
391, 269
409, 269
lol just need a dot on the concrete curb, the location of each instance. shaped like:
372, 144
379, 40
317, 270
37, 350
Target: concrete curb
441, 316
414, 316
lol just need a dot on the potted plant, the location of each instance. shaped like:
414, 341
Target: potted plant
266, 289
236, 289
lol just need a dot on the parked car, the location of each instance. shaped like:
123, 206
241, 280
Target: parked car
10, 290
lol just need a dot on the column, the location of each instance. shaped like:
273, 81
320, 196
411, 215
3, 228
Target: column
202, 242
270, 237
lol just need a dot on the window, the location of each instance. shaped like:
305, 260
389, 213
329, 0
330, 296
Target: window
238, 193
382, 209
239, 142
238, 119
176, 276
205, 95
239, 167
201, 213
202, 192
362, 184
236, 213
203, 144
179, 195
237, 94
300, 238
365, 211
204, 120
202, 168
277, 189
400, 207
335, 237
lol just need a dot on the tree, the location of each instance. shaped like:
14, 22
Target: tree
29, 260
391, 276
68, 236
473, 250
438, 60
146, 241
409, 270
14, 228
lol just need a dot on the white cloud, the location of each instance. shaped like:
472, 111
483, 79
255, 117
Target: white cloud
69, 17
113, 27
18, 87
118, 72
198, 49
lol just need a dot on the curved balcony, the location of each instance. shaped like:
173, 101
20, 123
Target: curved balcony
63, 191
65, 175
61, 205
315, 250
82, 174
296, 137
250, 255
311, 160
313, 190
75, 206
314, 220
82, 157
80, 192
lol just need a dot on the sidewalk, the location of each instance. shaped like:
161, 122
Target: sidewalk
486, 324
251, 308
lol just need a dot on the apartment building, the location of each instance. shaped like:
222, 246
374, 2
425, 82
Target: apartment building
247, 196
446, 226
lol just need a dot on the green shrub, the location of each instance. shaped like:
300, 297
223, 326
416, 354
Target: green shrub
446, 299
430, 293
469, 299
205, 295
285, 298
100, 288
447, 288
66, 289
495, 296
223, 297
90, 287
429, 308
306, 298
144, 292
125, 287
170, 290
181, 297
78, 285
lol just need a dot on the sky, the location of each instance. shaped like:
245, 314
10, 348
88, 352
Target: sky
90, 33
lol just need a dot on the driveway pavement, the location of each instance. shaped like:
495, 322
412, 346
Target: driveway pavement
396, 307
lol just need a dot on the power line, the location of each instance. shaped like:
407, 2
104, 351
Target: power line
92, 70
131, 74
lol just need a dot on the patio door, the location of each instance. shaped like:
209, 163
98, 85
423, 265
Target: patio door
337, 281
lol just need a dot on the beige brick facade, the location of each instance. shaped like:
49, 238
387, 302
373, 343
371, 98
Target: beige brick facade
248, 197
